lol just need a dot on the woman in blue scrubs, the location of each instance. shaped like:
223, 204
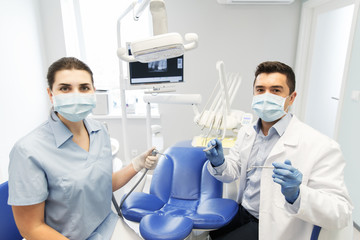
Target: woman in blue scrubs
60, 174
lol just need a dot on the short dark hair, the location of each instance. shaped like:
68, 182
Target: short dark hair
277, 67
66, 63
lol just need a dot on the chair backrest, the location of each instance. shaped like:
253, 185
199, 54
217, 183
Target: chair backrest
8, 229
315, 233
183, 175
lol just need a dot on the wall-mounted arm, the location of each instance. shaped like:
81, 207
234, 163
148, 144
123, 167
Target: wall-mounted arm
159, 17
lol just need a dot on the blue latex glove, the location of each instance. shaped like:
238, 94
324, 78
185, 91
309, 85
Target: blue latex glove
215, 155
289, 178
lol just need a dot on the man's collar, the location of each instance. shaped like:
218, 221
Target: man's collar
279, 127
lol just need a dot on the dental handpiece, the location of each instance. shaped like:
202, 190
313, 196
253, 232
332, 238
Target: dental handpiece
154, 152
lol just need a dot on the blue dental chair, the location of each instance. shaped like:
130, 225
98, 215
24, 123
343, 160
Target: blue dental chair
8, 229
183, 196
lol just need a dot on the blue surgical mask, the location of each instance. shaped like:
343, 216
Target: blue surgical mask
74, 106
269, 107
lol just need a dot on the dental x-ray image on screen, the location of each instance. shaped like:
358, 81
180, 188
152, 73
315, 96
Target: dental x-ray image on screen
158, 66
156, 74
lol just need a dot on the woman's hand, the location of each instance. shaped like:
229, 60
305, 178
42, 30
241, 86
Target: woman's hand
145, 160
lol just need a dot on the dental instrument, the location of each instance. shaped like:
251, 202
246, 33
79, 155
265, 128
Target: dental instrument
210, 129
209, 148
212, 146
252, 167
217, 115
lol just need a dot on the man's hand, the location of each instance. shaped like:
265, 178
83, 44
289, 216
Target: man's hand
289, 178
216, 154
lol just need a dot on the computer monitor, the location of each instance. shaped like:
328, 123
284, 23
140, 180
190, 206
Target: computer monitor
156, 76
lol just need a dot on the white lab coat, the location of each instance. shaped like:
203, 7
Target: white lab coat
323, 199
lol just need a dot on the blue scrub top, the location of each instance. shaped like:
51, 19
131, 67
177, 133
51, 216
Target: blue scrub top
76, 185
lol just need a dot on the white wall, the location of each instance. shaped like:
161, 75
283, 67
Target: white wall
53, 32
23, 99
240, 35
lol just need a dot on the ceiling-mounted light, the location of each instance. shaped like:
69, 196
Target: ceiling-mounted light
158, 47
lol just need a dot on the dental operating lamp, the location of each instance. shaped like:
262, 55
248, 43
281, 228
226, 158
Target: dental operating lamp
162, 45
158, 47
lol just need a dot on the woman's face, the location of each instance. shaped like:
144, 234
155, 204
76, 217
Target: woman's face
71, 81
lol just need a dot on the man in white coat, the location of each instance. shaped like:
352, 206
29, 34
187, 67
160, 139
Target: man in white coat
291, 176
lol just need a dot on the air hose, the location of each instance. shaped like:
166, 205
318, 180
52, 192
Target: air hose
117, 207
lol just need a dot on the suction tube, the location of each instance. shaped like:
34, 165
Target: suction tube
117, 207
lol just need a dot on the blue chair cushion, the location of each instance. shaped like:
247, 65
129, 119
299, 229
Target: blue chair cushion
210, 214
214, 213
165, 227
140, 204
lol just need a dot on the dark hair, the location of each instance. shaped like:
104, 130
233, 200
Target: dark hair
66, 63
277, 67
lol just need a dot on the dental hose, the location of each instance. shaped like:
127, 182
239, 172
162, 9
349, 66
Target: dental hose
128, 194
118, 208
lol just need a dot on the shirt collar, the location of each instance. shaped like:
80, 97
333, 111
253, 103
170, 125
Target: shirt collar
92, 126
62, 133
279, 127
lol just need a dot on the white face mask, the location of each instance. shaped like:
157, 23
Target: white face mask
269, 107
74, 106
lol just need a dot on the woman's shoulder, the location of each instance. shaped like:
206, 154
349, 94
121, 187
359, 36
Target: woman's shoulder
30, 139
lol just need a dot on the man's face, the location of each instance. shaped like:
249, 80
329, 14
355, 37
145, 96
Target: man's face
274, 83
